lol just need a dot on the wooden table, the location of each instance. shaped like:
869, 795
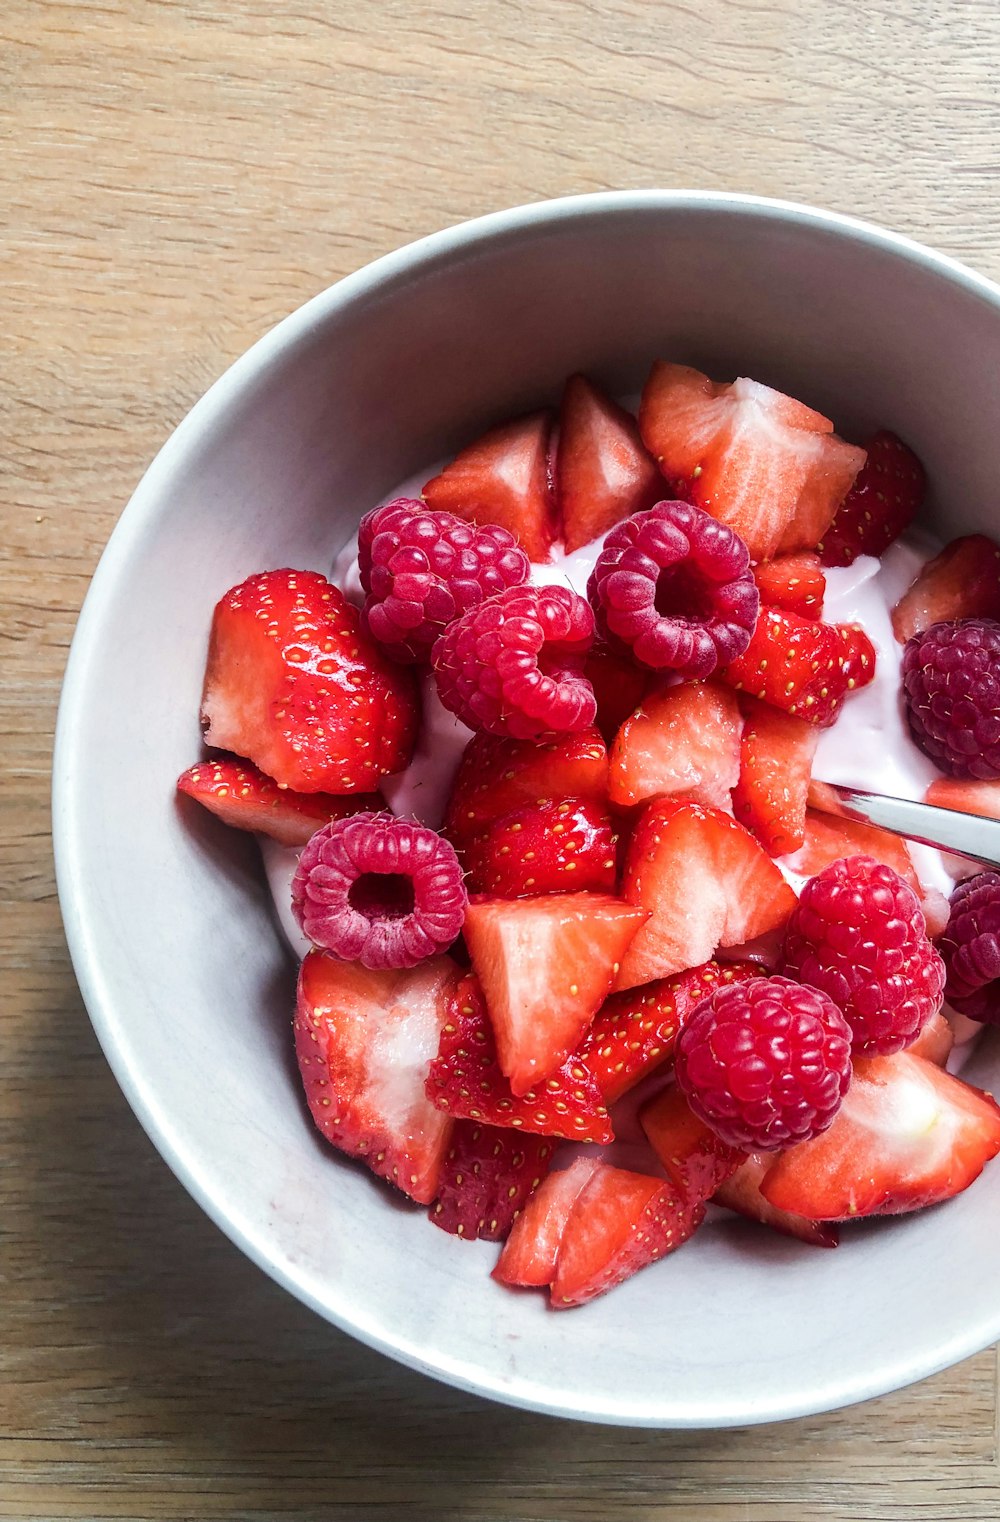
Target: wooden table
175, 177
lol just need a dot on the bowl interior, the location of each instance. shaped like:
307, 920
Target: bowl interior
168, 918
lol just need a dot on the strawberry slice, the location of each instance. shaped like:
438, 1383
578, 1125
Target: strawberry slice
741, 1193
908, 1134
859, 655
552, 847
695, 1159
497, 775
794, 583
962, 582
884, 498
681, 740
603, 471
364, 1042
503, 477
294, 684
487, 1178
634, 1032
705, 882
776, 756
619, 686
980, 798
758, 460
529, 1254
803, 667
934, 1040
237, 793
546, 965
465, 1080
829, 838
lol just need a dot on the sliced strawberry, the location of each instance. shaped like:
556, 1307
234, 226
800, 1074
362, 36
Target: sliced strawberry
935, 1040
294, 684
487, 1178
562, 847
603, 471
962, 582
503, 478
884, 498
980, 798
908, 1134
776, 756
758, 460
683, 740
794, 583
634, 1032
529, 1254
741, 1193
546, 965
364, 1041
829, 838
496, 776
619, 686
696, 1160
803, 667
465, 1080
237, 793
705, 882
619, 1222
859, 655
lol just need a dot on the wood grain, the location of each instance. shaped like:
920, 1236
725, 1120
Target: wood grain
175, 177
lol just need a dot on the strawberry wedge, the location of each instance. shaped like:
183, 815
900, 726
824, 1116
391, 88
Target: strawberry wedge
603, 470
242, 797
503, 478
530, 1252
681, 740
619, 1222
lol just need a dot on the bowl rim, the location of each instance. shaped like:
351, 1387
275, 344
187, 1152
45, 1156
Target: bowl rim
68, 803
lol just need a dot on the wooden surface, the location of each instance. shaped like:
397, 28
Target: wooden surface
174, 177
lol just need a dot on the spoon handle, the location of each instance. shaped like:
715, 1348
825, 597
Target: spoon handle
965, 834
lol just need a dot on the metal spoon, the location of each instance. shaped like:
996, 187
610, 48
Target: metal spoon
964, 834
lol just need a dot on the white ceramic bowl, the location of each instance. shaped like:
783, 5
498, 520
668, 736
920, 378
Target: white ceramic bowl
168, 920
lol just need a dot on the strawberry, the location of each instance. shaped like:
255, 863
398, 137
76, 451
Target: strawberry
634, 1032
886, 494
803, 667
561, 847
496, 776
758, 460
908, 1134
603, 472
503, 478
364, 1042
859, 655
741, 1193
619, 686
294, 684
794, 583
487, 1178
705, 882
776, 755
529, 1254
962, 582
980, 798
465, 1080
935, 1040
695, 1159
546, 966
683, 740
244, 798
829, 838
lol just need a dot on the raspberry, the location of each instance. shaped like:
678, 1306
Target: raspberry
675, 586
422, 569
514, 665
858, 933
765, 1063
378, 890
970, 946
951, 682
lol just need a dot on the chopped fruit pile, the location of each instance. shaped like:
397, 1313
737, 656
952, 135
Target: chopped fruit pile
630, 891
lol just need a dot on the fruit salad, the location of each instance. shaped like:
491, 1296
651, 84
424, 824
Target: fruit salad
541, 772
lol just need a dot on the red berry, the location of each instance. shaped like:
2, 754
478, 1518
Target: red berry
514, 665
951, 684
240, 795
765, 1063
886, 493
802, 666
381, 891
564, 847
970, 947
487, 1178
858, 933
962, 582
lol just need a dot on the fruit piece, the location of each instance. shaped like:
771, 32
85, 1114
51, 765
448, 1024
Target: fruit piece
951, 687
962, 582
794, 583
619, 1222
776, 756
765, 1063
934, 1041
908, 1134
859, 655
741, 1192
830, 838
420, 570
886, 494
858, 933
980, 798
603, 472
382, 891
683, 739
697, 1161
675, 587
529, 1254
487, 1178
970, 947
803, 667
635, 1031
619, 686
705, 883
237, 793
497, 775
364, 1042
503, 478
546, 966
514, 665
759, 461
465, 1080
566, 847
294, 684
